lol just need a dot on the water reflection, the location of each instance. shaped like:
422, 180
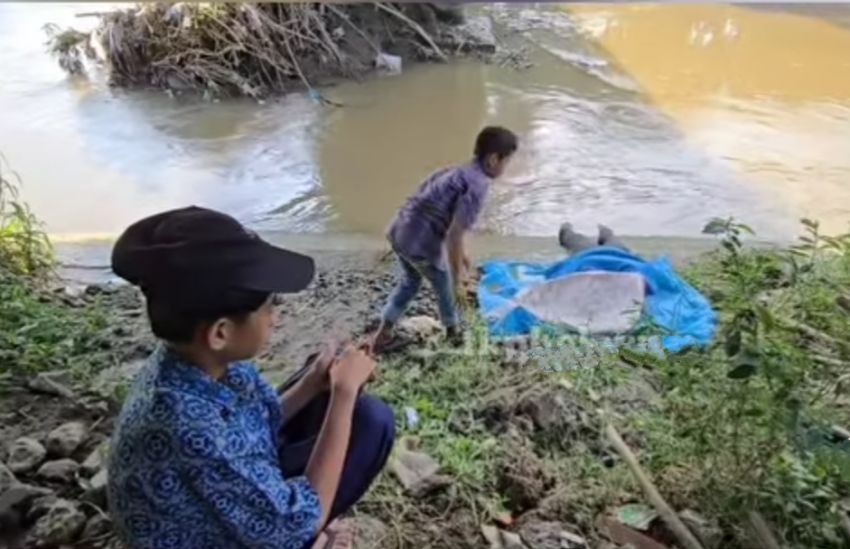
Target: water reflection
650, 118
766, 91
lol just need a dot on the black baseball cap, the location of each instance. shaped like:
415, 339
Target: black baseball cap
196, 257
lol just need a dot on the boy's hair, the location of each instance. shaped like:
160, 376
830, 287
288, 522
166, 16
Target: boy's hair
495, 140
176, 324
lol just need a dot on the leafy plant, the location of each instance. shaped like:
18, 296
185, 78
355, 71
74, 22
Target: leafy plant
25, 248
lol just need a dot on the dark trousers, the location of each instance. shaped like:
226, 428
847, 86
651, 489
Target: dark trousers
372, 436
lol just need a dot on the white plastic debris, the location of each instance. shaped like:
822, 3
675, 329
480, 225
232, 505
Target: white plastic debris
388, 63
411, 416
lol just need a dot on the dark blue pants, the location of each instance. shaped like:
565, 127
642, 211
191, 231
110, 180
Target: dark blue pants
372, 436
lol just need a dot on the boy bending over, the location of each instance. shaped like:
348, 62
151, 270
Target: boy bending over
428, 233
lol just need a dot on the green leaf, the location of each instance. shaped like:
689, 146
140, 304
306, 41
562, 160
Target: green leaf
745, 364
742, 371
716, 226
765, 318
637, 515
746, 228
732, 345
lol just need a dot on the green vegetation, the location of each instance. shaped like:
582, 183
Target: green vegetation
37, 330
745, 425
24, 246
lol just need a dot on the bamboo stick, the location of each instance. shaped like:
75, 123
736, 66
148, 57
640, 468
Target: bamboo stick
668, 515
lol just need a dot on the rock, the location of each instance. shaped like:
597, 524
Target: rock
420, 328
101, 289
368, 531
96, 459
52, 383
555, 411
96, 491
40, 506
66, 438
501, 539
550, 535
108, 379
74, 291
62, 524
476, 34
15, 503
7, 478
25, 455
417, 471
522, 478
60, 470
97, 526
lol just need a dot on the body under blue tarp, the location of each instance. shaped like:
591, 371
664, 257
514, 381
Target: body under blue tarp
672, 304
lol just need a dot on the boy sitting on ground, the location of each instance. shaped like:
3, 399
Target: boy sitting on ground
428, 233
204, 455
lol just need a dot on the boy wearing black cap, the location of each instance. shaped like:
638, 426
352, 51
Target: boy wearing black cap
204, 454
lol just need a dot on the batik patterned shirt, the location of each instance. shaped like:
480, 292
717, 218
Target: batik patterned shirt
194, 463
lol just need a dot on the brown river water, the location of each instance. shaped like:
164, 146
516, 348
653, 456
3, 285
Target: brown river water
650, 118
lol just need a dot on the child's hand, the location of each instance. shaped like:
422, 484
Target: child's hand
352, 370
318, 376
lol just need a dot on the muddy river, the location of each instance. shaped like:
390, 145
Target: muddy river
650, 118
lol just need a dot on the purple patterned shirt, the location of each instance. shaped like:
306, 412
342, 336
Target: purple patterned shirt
420, 226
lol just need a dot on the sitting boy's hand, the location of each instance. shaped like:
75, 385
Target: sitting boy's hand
352, 370
318, 376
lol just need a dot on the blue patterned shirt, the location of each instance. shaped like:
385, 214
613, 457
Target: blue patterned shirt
194, 463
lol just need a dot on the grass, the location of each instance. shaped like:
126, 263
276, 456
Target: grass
741, 426
37, 331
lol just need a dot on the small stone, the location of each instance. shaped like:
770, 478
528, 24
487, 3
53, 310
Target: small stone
96, 527
96, 492
66, 438
550, 535
60, 470
74, 291
14, 503
420, 327
62, 523
40, 506
25, 455
417, 471
7, 478
52, 383
501, 539
96, 459
368, 532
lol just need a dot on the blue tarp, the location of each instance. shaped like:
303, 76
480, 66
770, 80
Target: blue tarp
671, 303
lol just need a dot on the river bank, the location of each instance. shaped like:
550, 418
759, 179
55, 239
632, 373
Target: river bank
515, 454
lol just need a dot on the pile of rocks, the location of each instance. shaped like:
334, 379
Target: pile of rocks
53, 490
